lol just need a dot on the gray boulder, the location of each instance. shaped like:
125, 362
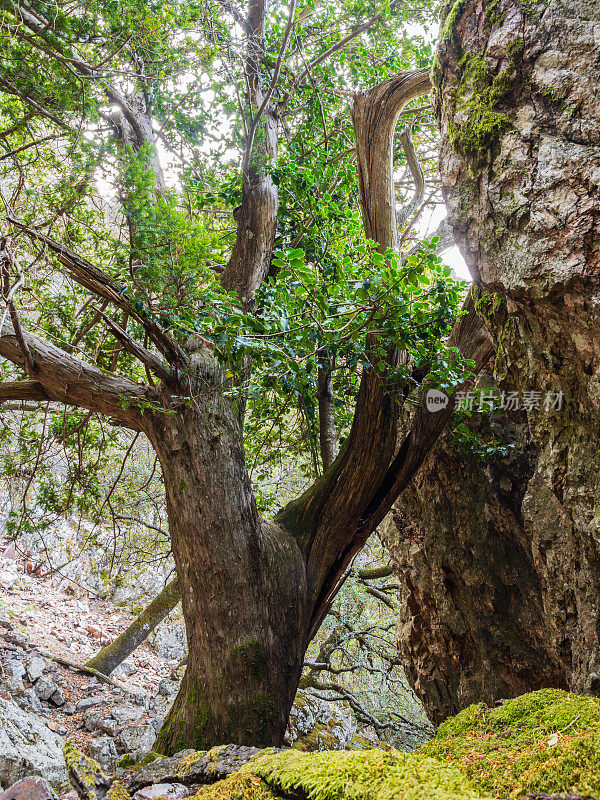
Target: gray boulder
57, 697
14, 667
176, 790
190, 767
29, 789
28, 747
125, 715
36, 668
103, 750
45, 687
170, 641
137, 739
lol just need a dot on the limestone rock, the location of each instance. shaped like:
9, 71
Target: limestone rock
137, 739
28, 747
126, 714
190, 767
103, 750
36, 668
45, 687
29, 789
161, 790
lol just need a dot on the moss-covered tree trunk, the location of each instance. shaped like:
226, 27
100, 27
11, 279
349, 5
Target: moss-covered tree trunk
114, 653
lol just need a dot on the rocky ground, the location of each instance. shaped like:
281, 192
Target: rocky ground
540, 746
48, 621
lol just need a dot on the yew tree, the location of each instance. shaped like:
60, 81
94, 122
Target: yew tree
209, 235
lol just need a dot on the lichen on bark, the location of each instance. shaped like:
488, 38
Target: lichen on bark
499, 563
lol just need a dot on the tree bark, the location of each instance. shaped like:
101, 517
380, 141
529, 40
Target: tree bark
327, 426
113, 654
499, 562
243, 582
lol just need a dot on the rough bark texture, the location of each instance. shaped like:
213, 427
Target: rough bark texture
242, 580
500, 562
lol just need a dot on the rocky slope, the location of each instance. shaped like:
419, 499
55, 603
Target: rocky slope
48, 622
499, 560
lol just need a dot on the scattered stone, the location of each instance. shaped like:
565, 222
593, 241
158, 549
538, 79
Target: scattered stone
45, 687
206, 768
57, 697
103, 751
137, 739
161, 790
69, 710
29, 789
36, 668
28, 747
125, 715
88, 702
14, 667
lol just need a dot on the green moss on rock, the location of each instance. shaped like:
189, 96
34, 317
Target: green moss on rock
241, 786
343, 775
543, 742
474, 124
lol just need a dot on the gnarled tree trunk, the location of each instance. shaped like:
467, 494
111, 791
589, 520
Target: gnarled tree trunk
500, 562
243, 582
253, 593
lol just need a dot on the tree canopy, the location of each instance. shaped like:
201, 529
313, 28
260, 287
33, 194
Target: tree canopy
215, 237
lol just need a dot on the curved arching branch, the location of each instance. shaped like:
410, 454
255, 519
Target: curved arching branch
335, 517
375, 114
412, 160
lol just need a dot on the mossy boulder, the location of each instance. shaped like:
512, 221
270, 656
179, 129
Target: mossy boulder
545, 742
542, 743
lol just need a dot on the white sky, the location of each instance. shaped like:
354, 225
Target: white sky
454, 259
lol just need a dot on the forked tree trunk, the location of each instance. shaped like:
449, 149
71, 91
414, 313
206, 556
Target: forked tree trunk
253, 593
243, 583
